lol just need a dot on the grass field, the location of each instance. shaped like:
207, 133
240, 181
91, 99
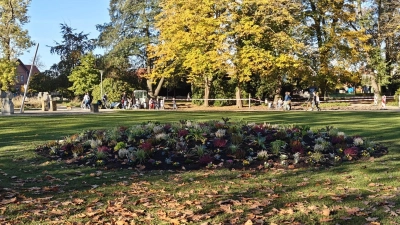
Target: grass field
36, 191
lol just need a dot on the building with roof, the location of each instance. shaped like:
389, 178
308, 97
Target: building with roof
22, 75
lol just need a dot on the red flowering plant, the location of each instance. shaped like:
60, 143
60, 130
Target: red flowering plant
205, 159
167, 127
147, 146
67, 148
103, 149
220, 143
337, 140
296, 146
259, 129
351, 152
183, 133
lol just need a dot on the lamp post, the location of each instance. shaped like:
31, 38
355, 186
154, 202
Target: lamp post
101, 84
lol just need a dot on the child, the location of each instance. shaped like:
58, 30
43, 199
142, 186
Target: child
162, 103
383, 101
151, 103
174, 104
280, 103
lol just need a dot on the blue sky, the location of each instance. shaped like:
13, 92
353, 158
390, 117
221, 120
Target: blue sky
46, 17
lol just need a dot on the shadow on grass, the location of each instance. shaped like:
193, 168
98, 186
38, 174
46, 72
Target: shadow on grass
18, 133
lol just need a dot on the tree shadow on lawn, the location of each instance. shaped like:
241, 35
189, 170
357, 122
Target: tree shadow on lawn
53, 174
271, 195
272, 199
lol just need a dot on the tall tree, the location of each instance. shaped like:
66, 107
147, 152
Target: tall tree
128, 35
191, 41
238, 39
14, 40
334, 40
70, 50
380, 19
85, 76
260, 38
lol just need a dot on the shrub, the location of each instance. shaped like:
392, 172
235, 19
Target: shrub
205, 159
183, 133
296, 146
220, 143
119, 146
352, 151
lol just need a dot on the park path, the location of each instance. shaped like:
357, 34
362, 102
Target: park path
62, 110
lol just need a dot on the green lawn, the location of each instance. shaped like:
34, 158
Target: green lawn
36, 191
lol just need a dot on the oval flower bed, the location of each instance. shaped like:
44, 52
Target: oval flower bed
192, 145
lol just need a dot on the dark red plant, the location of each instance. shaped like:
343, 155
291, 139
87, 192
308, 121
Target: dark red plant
67, 147
146, 146
205, 159
167, 127
337, 140
296, 146
259, 129
220, 143
182, 133
103, 149
353, 151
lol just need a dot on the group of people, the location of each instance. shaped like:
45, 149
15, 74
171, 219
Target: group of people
153, 103
383, 101
286, 104
312, 102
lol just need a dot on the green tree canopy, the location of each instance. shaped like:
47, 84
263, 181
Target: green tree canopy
14, 40
84, 77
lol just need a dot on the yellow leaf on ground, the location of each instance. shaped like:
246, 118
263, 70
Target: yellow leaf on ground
248, 222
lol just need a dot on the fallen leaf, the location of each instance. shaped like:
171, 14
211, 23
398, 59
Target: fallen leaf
248, 222
326, 212
8, 201
371, 219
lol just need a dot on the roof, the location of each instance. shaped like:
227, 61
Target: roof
35, 70
28, 67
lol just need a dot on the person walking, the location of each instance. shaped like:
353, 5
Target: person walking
124, 100
316, 101
279, 103
383, 102
162, 101
86, 101
287, 102
151, 103
310, 102
105, 98
174, 104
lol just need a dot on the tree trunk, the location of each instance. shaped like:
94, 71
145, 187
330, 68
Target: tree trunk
277, 93
207, 84
239, 102
160, 83
375, 85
